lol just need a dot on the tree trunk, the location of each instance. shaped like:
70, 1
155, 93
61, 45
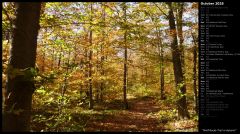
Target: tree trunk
64, 85
60, 57
86, 72
84, 65
75, 55
65, 82
162, 83
102, 74
180, 34
97, 84
161, 60
20, 87
195, 73
53, 57
125, 59
43, 61
178, 74
53, 54
90, 64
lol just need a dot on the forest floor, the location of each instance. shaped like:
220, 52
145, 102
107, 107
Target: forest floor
141, 116
145, 114
137, 118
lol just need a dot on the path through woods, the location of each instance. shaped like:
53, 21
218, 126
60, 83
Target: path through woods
145, 114
137, 118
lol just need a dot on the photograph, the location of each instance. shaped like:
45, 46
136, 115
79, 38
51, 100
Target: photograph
105, 66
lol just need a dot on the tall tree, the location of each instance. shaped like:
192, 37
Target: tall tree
90, 61
161, 61
125, 57
60, 57
20, 85
179, 17
178, 73
195, 72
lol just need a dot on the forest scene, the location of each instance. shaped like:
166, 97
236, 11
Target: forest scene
100, 66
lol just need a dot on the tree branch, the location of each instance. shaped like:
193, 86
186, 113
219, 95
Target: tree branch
160, 9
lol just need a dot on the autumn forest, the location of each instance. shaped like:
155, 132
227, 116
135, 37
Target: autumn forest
100, 66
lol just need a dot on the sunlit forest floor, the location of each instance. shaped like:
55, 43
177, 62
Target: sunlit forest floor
147, 113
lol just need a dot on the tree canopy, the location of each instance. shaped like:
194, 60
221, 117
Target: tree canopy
96, 59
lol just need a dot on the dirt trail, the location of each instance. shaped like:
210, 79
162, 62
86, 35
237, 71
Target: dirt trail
137, 118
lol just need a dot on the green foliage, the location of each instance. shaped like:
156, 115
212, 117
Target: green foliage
167, 115
58, 122
41, 90
196, 118
171, 100
141, 90
179, 92
27, 74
